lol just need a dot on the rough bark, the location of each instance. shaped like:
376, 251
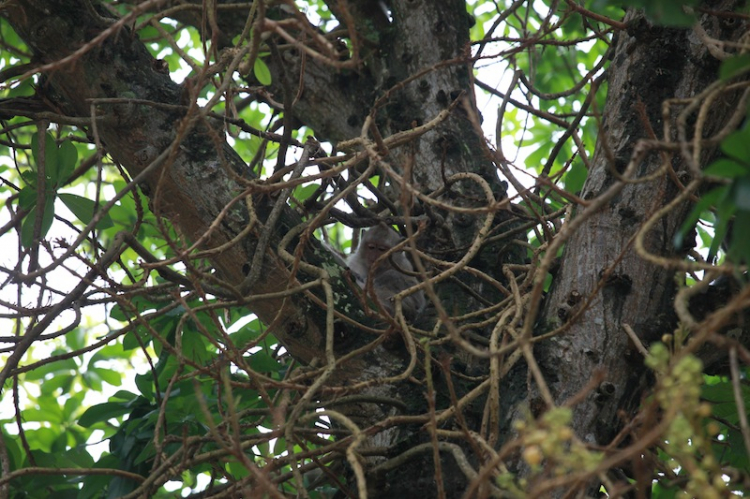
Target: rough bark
603, 284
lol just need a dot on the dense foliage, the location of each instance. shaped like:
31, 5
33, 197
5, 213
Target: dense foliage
143, 357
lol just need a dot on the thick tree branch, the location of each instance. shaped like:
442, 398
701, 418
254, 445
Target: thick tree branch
201, 175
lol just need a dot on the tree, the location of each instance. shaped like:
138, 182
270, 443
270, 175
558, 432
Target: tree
169, 256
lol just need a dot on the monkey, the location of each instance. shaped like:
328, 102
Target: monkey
387, 280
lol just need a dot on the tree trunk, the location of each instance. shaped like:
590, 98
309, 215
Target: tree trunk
603, 284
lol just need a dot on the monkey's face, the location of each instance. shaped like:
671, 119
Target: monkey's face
373, 251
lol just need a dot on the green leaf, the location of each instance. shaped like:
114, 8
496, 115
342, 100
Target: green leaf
707, 200
575, 177
27, 228
26, 87
739, 244
737, 145
146, 453
145, 384
194, 347
303, 192
118, 314
62, 381
130, 341
263, 363
734, 66
660, 491
149, 32
704, 236
50, 155
237, 470
123, 395
59, 162
72, 405
264, 449
27, 197
29, 177
41, 439
84, 210
742, 193
13, 450
280, 446
261, 71
67, 160
94, 485
76, 339
102, 413
49, 415
725, 210
109, 376
247, 333
107, 353
735, 453
92, 380
726, 168
166, 368
60, 366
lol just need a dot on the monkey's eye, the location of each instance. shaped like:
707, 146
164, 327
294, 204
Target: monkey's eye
383, 248
371, 246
